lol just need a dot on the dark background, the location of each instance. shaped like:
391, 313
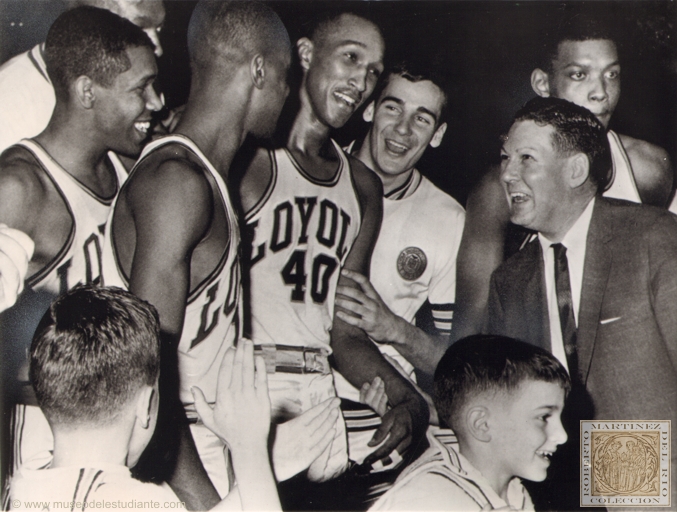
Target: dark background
487, 49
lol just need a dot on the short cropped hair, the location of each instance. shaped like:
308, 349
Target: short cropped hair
489, 363
92, 351
92, 42
417, 71
234, 30
574, 28
577, 130
322, 26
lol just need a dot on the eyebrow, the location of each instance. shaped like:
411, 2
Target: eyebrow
614, 63
400, 102
347, 42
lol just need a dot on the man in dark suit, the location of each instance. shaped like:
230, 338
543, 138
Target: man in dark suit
597, 284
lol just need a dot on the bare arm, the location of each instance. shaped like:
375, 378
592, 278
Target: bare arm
383, 326
355, 356
652, 170
481, 252
171, 207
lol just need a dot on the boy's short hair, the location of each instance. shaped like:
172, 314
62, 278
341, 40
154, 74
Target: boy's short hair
92, 42
490, 363
94, 348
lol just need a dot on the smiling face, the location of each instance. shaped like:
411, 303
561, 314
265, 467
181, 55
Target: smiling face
123, 110
405, 121
526, 430
533, 177
342, 69
588, 73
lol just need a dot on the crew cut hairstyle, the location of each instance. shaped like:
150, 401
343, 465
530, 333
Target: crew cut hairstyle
321, 26
578, 27
94, 348
490, 363
234, 31
577, 130
419, 70
92, 42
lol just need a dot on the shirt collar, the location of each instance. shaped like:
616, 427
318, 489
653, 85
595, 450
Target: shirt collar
577, 234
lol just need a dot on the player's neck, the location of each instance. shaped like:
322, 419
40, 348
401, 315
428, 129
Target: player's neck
309, 135
74, 146
90, 447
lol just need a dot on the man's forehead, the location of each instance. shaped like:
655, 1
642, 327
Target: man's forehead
570, 50
422, 93
528, 133
352, 29
143, 13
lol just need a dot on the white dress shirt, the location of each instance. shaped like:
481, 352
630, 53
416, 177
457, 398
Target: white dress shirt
574, 241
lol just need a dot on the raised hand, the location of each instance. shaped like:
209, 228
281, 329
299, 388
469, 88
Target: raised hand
299, 441
16, 250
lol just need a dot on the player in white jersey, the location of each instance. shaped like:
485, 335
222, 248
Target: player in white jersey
411, 264
26, 91
175, 235
580, 64
314, 211
58, 187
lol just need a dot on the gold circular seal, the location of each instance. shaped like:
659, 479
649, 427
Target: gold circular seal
411, 263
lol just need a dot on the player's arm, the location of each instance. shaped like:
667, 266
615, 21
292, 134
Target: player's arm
255, 180
355, 356
480, 253
652, 170
374, 317
171, 208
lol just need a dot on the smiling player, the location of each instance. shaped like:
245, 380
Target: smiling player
58, 187
314, 210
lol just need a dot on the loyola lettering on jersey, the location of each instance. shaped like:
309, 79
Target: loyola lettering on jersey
301, 235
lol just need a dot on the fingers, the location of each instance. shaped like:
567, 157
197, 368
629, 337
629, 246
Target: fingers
261, 375
248, 379
203, 409
351, 320
226, 370
354, 307
351, 292
362, 281
399, 438
319, 413
325, 423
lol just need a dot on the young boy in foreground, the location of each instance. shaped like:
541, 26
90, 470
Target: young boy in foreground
94, 362
503, 398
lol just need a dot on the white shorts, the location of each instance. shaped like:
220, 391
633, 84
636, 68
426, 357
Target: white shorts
292, 394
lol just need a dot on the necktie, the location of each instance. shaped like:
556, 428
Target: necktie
566, 308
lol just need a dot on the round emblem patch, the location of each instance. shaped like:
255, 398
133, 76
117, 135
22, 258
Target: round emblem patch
411, 263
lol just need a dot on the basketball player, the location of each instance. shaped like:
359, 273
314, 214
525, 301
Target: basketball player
26, 90
314, 210
412, 263
173, 236
581, 65
58, 187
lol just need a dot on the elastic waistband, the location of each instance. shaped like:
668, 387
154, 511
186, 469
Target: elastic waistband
293, 359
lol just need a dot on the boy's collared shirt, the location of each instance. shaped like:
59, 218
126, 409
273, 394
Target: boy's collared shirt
443, 479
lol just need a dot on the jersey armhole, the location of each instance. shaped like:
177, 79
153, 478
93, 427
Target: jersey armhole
269, 189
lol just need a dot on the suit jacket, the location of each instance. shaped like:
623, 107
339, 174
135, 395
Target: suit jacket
627, 322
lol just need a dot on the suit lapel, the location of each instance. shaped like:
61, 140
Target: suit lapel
596, 269
534, 296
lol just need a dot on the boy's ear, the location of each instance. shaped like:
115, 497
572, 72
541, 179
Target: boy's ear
144, 405
438, 136
258, 71
540, 82
304, 47
477, 423
368, 114
84, 91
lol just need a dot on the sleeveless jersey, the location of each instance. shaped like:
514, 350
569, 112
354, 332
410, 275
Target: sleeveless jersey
79, 260
623, 184
213, 314
303, 229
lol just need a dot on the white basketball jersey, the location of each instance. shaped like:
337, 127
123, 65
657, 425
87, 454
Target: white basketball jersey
213, 314
623, 184
79, 261
303, 231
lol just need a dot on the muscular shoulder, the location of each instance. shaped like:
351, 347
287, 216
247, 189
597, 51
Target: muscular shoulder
367, 185
651, 168
24, 187
256, 179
